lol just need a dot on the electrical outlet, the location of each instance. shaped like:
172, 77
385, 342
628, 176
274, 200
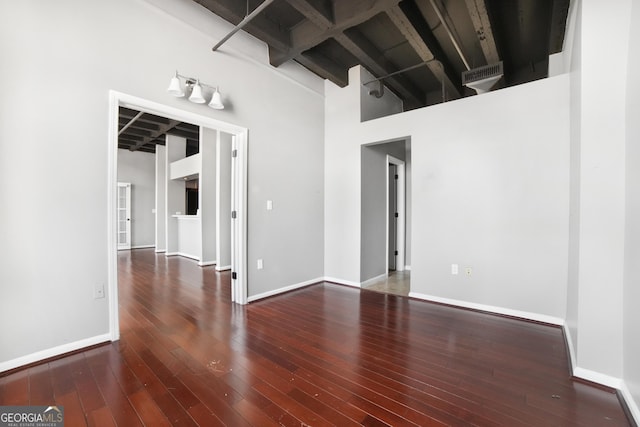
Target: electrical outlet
98, 291
467, 271
454, 269
260, 264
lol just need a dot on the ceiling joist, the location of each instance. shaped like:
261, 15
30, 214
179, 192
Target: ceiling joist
480, 19
440, 68
347, 14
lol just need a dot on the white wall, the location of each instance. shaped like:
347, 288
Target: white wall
207, 194
71, 53
491, 193
631, 296
175, 193
161, 198
595, 311
571, 321
139, 169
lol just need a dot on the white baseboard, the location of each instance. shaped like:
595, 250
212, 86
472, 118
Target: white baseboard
571, 349
53, 352
631, 403
597, 377
491, 309
195, 257
373, 279
160, 250
223, 267
285, 289
143, 247
341, 281
206, 263
407, 267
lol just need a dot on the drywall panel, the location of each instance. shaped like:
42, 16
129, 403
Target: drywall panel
631, 318
602, 185
185, 167
188, 236
72, 53
138, 168
342, 182
207, 193
491, 193
175, 193
571, 321
223, 201
161, 199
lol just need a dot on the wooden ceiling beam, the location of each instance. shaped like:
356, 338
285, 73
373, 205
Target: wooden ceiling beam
346, 14
163, 129
324, 67
184, 133
317, 11
482, 24
414, 28
373, 60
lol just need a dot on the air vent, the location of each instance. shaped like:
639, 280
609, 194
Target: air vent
482, 79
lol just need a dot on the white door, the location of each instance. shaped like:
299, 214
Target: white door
124, 215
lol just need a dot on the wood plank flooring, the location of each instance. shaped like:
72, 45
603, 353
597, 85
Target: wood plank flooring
319, 356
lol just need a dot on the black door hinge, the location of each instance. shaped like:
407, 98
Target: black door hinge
234, 275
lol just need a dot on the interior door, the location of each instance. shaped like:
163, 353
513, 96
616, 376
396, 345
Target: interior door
393, 216
124, 215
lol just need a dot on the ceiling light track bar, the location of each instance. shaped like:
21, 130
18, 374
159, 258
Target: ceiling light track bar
242, 23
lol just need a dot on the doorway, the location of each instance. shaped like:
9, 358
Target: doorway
385, 216
238, 190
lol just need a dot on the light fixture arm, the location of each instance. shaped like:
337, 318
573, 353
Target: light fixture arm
189, 81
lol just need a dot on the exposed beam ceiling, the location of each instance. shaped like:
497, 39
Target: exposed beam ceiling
385, 36
139, 131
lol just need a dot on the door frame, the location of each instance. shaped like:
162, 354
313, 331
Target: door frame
400, 203
239, 193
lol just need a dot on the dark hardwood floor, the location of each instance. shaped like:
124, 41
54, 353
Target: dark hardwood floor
322, 355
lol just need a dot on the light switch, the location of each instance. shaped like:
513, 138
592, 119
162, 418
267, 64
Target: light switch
454, 269
260, 265
269, 205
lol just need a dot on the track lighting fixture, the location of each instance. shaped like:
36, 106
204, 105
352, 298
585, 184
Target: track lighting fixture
194, 91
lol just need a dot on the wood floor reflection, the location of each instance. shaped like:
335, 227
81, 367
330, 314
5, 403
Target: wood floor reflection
319, 356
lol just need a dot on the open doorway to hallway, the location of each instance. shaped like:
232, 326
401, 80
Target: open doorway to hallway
172, 167
386, 216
